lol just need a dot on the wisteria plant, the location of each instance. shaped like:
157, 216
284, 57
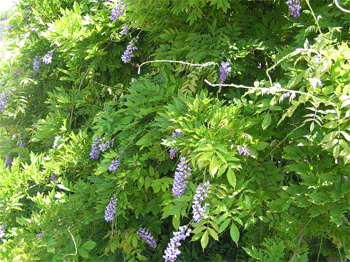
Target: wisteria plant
175, 131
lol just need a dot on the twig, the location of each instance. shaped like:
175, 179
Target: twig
75, 245
313, 14
174, 61
341, 8
295, 252
268, 89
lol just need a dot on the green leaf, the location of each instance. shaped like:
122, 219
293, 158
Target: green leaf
205, 240
175, 209
345, 103
83, 253
234, 233
224, 225
198, 229
176, 220
204, 159
221, 170
346, 135
89, 245
51, 249
231, 178
294, 80
214, 166
266, 121
197, 236
336, 151
261, 145
214, 234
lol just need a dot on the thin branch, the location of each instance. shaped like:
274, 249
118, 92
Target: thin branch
295, 252
174, 61
313, 14
268, 89
297, 51
341, 8
75, 245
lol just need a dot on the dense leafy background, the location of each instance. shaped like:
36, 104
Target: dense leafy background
287, 99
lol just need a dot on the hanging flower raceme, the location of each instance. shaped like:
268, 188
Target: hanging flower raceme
15, 73
177, 133
115, 163
41, 234
10, 27
127, 55
147, 236
180, 179
3, 100
2, 231
95, 151
47, 59
173, 151
124, 30
172, 251
198, 209
36, 63
98, 147
105, 146
118, 11
22, 143
111, 209
294, 7
8, 160
56, 141
224, 70
243, 150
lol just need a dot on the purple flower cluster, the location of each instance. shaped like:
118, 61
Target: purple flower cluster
2, 231
98, 147
3, 100
294, 7
56, 141
127, 55
105, 146
172, 152
118, 11
8, 161
176, 134
47, 59
95, 151
172, 251
124, 30
41, 234
22, 143
198, 210
180, 179
15, 73
243, 150
224, 70
10, 27
36, 63
115, 163
53, 178
147, 236
111, 209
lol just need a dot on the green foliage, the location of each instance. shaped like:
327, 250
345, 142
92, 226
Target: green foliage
274, 144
